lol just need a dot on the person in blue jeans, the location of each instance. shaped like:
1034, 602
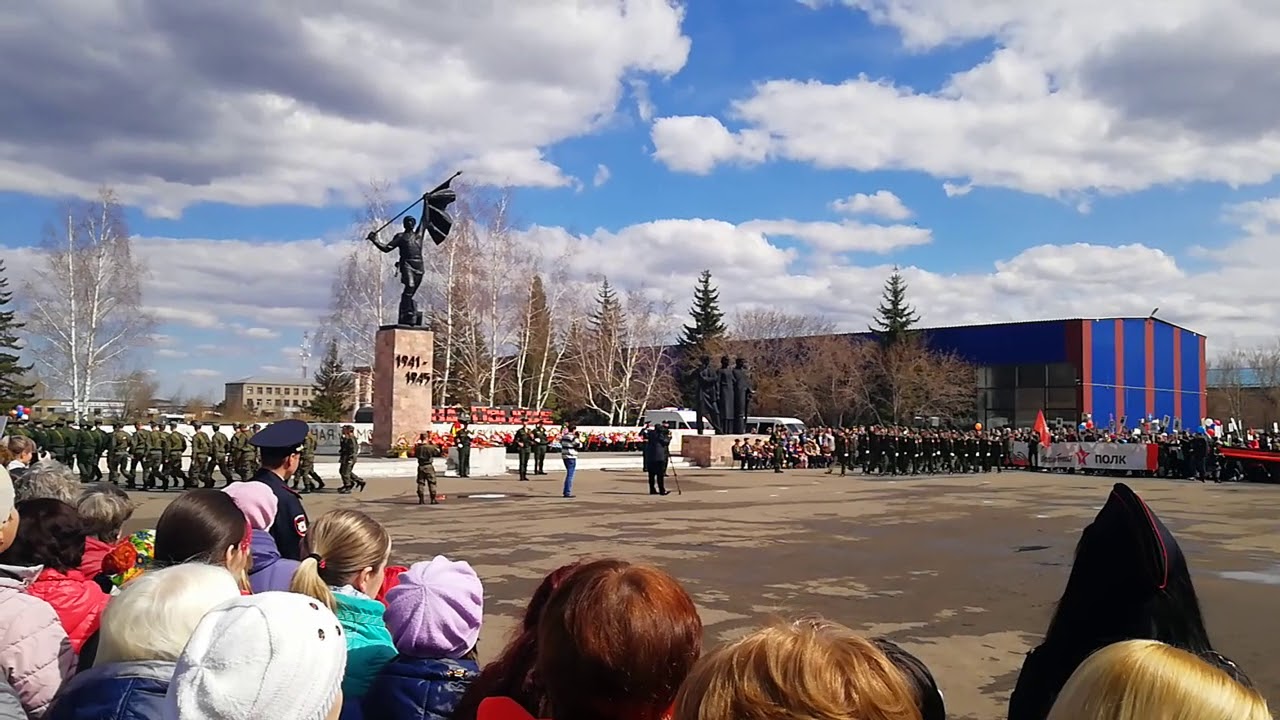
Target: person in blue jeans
569, 445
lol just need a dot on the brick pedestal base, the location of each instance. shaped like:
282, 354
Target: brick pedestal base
401, 385
710, 450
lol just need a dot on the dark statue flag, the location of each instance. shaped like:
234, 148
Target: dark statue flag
439, 222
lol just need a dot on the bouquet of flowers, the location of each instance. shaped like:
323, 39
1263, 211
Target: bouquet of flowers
130, 558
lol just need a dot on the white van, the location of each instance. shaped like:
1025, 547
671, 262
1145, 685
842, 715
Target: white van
765, 425
679, 419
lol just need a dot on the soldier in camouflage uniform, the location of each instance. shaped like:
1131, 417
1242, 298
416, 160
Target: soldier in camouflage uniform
240, 454
58, 442
175, 446
104, 443
255, 452
219, 446
138, 443
426, 452
86, 451
157, 448
348, 451
118, 454
307, 465
201, 471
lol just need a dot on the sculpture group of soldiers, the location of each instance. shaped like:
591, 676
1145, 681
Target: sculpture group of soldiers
152, 456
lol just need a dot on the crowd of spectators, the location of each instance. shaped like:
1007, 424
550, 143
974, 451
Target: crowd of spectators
201, 618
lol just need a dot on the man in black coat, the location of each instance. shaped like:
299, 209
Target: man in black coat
657, 454
281, 446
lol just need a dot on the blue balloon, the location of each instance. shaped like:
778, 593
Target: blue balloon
1083, 427
1200, 430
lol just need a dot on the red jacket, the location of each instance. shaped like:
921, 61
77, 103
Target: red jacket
94, 551
77, 600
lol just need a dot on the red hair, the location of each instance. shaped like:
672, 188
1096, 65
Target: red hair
511, 674
616, 641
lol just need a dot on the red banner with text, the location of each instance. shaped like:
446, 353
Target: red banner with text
480, 415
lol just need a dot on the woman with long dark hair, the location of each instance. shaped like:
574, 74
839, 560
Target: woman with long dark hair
205, 526
1129, 581
511, 674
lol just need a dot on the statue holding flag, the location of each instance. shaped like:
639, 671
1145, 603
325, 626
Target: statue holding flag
436, 221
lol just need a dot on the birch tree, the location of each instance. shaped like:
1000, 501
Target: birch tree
84, 301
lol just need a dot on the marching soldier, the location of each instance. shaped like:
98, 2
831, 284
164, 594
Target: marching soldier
157, 448
279, 444
240, 454
255, 454
307, 465
138, 442
102, 445
523, 449
462, 440
201, 470
348, 449
58, 442
426, 452
118, 454
540, 444
174, 448
219, 447
87, 451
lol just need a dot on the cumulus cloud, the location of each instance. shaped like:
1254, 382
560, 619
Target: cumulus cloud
170, 353
1077, 97
310, 100
881, 203
202, 373
602, 175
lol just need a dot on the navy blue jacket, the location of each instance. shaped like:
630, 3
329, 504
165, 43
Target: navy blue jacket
117, 691
290, 525
412, 688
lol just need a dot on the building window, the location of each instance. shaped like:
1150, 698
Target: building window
1061, 398
1030, 400
1003, 376
1031, 376
1062, 375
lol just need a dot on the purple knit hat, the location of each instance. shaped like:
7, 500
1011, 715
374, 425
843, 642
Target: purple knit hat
436, 609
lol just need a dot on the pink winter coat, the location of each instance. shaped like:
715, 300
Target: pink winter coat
35, 654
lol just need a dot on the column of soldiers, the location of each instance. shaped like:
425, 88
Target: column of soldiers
151, 457
903, 451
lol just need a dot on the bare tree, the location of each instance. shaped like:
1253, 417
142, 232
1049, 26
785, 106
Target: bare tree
365, 291
915, 381
137, 391
1232, 384
197, 406
498, 282
1265, 364
766, 324
84, 303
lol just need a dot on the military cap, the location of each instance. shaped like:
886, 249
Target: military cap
1128, 543
284, 435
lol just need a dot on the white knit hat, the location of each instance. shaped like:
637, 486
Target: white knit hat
272, 656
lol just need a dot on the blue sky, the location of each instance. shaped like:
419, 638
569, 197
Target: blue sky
1011, 169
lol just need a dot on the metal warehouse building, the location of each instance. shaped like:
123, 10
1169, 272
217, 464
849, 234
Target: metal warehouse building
1116, 369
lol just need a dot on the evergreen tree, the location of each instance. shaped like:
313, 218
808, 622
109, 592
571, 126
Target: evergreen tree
606, 318
334, 388
708, 320
14, 390
536, 341
894, 317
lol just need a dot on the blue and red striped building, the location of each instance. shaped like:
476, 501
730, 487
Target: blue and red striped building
1118, 370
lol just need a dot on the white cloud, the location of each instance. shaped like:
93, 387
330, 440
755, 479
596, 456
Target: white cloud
309, 102
881, 203
1098, 96
258, 333
954, 190
161, 340
844, 237
202, 373
640, 94
602, 175
697, 144
170, 353
276, 370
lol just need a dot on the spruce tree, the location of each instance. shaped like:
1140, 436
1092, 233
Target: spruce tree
708, 320
14, 390
334, 388
536, 341
606, 318
894, 316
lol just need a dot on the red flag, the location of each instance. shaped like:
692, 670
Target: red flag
1041, 428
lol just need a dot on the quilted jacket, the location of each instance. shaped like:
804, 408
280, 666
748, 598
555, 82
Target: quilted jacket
412, 688
35, 653
77, 599
117, 691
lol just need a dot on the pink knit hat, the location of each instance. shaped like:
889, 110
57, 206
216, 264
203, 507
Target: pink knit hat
256, 501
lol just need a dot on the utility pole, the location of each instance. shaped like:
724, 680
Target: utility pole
304, 353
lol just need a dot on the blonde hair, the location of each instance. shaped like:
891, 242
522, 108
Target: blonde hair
154, 615
811, 669
1140, 679
340, 545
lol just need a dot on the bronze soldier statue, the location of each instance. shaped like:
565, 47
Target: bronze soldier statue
435, 220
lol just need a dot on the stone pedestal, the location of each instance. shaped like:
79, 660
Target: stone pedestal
485, 462
402, 372
711, 450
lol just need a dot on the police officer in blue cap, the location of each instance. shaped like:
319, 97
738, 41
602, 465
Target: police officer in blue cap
280, 444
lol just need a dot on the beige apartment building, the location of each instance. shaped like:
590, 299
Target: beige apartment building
269, 395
